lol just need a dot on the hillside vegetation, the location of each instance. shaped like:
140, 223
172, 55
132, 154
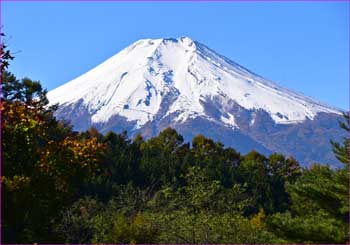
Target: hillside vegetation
61, 186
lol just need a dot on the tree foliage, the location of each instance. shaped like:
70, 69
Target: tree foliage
43, 161
319, 210
62, 186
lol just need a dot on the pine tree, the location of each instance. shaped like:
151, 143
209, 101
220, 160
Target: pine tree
342, 151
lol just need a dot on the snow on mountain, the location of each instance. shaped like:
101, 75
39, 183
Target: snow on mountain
134, 82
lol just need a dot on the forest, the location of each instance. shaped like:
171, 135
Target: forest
62, 186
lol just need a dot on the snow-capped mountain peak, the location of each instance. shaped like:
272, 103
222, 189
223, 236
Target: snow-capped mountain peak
156, 78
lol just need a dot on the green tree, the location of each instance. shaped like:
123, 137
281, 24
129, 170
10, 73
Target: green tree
220, 163
342, 151
203, 211
319, 210
77, 224
162, 158
254, 172
282, 171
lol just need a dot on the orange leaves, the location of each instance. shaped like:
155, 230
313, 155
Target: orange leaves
37, 145
84, 153
44, 162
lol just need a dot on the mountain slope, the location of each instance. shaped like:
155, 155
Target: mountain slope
182, 83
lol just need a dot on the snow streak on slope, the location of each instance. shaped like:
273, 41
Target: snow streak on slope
133, 84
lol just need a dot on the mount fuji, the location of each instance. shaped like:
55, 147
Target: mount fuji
158, 83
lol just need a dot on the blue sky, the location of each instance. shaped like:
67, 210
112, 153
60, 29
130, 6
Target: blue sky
300, 45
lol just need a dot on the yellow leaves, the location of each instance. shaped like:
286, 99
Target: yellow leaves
258, 220
54, 153
139, 219
83, 151
60, 162
16, 182
70, 158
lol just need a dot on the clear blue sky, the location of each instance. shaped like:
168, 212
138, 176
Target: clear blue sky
300, 45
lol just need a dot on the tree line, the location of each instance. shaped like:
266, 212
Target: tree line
62, 186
